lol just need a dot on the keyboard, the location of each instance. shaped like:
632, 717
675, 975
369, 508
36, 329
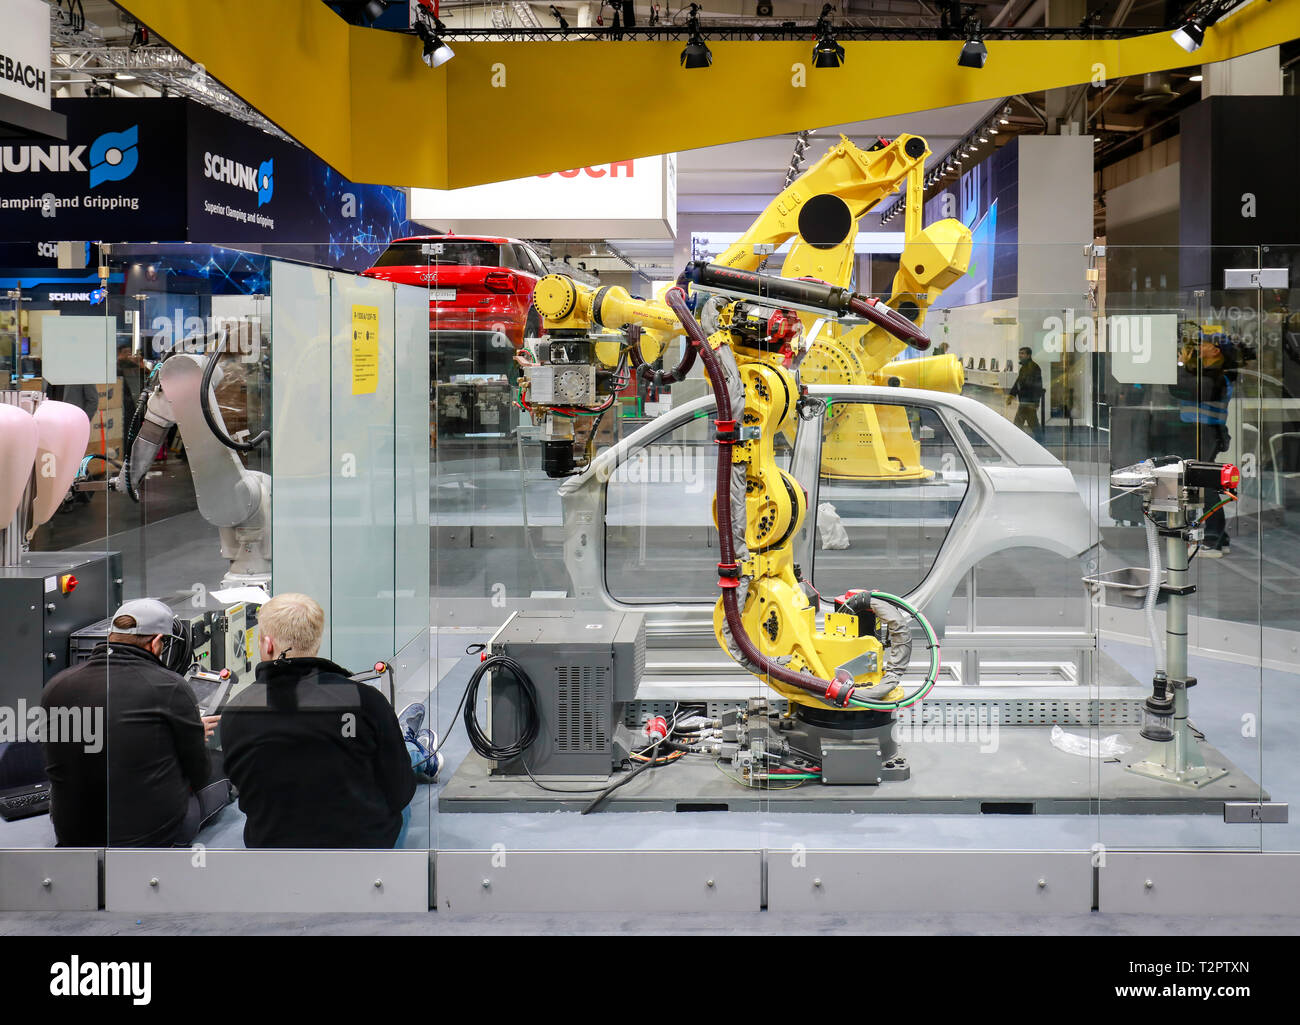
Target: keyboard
24, 802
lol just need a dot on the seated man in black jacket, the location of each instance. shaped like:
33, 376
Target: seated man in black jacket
147, 784
320, 761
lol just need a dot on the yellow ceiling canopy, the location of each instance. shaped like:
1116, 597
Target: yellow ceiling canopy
364, 102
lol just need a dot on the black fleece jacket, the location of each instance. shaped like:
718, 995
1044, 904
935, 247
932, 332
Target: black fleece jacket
135, 790
319, 760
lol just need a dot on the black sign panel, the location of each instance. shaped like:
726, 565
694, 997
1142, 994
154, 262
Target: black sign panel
243, 185
170, 170
119, 175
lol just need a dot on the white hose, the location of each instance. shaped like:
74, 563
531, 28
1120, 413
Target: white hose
1153, 592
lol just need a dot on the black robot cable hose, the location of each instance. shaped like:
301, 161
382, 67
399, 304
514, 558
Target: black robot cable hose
205, 404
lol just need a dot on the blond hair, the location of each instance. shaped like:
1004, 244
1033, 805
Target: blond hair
295, 621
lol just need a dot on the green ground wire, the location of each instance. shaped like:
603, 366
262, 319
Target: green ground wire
932, 676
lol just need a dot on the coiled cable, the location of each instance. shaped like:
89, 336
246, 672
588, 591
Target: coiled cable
478, 737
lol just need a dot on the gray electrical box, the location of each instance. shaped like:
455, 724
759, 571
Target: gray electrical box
585, 667
43, 601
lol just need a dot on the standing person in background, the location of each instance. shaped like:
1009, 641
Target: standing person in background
1028, 390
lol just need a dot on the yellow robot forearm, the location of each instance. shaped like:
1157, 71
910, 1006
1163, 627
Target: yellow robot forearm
566, 304
844, 184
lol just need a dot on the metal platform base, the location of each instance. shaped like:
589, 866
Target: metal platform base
1024, 775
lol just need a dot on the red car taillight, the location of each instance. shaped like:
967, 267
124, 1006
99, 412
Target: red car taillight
499, 282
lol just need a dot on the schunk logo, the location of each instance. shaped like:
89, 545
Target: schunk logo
259, 179
102, 979
97, 296
113, 156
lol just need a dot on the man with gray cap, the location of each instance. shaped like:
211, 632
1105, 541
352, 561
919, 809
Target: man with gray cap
146, 782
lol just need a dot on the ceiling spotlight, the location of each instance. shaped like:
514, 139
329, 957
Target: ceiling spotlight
984, 138
695, 54
1196, 78
974, 53
827, 53
376, 8
1191, 35
436, 51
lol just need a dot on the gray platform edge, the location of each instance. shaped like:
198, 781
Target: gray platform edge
520, 796
780, 880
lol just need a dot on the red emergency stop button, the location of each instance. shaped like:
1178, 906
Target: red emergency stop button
67, 583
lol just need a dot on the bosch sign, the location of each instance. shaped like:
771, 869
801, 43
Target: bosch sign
618, 169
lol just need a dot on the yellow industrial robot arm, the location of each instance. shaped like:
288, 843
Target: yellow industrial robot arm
567, 306
821, 208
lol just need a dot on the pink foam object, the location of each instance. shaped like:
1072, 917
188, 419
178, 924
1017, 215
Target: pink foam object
17, 454
63, 431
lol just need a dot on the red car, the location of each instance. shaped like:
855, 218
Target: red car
475, 282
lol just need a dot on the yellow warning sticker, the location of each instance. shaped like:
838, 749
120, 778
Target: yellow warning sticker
248, 643
365, 350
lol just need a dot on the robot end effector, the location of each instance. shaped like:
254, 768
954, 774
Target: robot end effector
231, 497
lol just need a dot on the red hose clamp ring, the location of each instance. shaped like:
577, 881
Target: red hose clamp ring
657, 728
838, 693
728, 574
726, 432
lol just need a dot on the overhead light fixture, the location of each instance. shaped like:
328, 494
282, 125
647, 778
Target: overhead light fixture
695, 54
1196, 78
827, 53
973, 55
984, 138
376, 8
436, 51
1191, 35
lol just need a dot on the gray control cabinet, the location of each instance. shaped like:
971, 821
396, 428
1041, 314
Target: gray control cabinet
585, 667
38, 616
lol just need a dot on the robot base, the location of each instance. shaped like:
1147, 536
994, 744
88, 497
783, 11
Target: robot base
1186, 768
854, 748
